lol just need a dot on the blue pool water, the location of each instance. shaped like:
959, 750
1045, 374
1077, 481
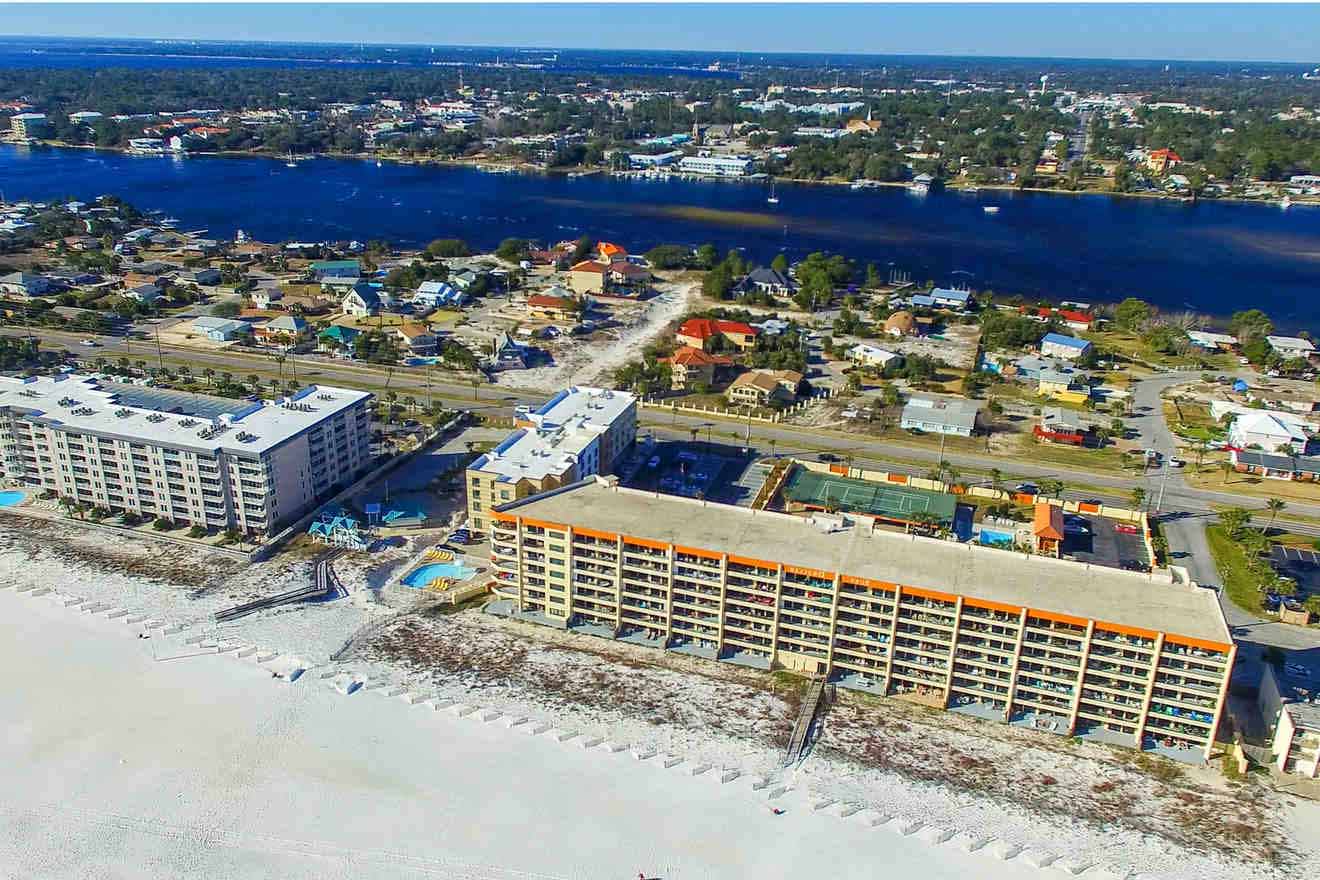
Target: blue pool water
420, 577
9, 499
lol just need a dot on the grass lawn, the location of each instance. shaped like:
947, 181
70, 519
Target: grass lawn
1192, 420
1109, 459
1239, 583
1256, 487
1129, 345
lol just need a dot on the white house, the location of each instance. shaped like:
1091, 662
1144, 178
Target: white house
361, 301
23, 284
1291, 346
1268, 432
941, 415
1211, 341
1067, 347
220, 329
263, 296
433, 294
872, 356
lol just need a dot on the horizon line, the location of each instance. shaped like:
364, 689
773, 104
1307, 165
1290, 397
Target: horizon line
1314, 63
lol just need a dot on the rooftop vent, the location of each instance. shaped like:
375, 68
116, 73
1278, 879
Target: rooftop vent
187, 423
155, 418
123, 412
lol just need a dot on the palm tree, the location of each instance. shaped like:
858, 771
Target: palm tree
409, 403
254, 381
1274, 506
210, 376
186, 372
996, 478
1138, 498
1052, 487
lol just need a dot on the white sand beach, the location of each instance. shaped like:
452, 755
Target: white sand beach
119, 765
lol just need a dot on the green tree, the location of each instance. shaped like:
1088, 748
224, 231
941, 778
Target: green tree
1250, 324
448, 247
1235, 521
226, 309
1132, 314
1275, 506
707, 256
779, 263
511, 250
1138, 497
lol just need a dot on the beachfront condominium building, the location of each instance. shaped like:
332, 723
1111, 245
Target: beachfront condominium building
578, 433
254, 466
1075, 649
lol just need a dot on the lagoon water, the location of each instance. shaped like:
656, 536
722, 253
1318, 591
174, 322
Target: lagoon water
1208, 257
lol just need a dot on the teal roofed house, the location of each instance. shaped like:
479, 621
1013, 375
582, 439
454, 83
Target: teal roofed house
341, 269
337, 337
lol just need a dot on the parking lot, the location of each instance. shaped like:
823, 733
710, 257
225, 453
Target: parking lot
1101, 541
1303, 566
722, 474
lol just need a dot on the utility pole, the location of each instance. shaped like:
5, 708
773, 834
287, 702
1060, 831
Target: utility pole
160, 358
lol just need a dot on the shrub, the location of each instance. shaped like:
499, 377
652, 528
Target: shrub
163, 524
197, 532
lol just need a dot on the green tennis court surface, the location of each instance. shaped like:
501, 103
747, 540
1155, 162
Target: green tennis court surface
862, 496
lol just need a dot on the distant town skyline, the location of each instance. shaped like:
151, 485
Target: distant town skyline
1173, 32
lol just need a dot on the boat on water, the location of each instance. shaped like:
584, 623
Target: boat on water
773, 199
991, 209
170, 222
378, 163
1286, 203
289, 163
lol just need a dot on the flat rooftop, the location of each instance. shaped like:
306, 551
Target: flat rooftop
1046, 584
555, 433
172, 418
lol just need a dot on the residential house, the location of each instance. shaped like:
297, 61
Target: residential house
143, 293
1268, 464
865, 355
307, 304
220, 329
588, 276
337, 339
954, 416
24, 284
556, 304
336, 271
691, 368
434, 294
768, 281
958, 300
1259, 429
1073, 319
625, 276
1061, 385
765, 388
508, 354
206, 277
1067, 347
286, 330
1059, 425
901, 323
702, 333
265, 295
361, 301
1160, 161
1291, 346
1212, 341
417, 338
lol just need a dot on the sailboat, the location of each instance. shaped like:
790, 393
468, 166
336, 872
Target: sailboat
773, 199
290, 163
1286, 203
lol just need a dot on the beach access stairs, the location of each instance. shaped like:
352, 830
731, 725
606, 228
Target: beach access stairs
818, 697
324, 584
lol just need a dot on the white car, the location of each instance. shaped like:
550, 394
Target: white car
90, 343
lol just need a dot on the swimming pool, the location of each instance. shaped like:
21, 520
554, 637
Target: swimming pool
9, 499
420, 577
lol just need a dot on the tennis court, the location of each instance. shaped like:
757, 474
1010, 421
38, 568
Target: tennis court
862, 496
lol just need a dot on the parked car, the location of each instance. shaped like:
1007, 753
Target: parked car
1126, 528
90, 343
1027, 489
1133, 565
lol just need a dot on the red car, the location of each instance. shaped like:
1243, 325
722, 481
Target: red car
1126, 529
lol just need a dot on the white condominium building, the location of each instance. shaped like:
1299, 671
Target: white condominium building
719, 166
209, 461
576, 434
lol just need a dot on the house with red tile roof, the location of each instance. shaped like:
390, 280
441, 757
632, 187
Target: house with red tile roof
1160, 161
702, 332
690, 367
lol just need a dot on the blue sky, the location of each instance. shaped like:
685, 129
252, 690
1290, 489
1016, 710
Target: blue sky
1169, 31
